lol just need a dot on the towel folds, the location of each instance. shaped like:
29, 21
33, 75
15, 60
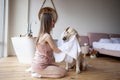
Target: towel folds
70, 48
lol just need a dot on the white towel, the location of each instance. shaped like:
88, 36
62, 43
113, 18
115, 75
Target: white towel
70, 48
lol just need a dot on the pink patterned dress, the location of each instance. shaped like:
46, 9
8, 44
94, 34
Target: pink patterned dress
43, 57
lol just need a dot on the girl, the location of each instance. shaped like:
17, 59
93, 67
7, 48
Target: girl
42, 64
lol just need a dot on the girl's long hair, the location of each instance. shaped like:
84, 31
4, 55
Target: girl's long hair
46, 24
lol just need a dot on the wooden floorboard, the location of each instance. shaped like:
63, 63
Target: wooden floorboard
101, 68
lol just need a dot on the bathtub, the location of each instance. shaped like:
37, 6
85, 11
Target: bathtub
24, 48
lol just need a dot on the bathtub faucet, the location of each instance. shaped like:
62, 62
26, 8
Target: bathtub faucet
29, 31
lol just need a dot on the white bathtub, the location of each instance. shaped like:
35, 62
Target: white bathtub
24, 48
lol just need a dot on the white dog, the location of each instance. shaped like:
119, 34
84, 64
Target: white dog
79, 63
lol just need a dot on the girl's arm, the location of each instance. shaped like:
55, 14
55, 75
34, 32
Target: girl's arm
50, 41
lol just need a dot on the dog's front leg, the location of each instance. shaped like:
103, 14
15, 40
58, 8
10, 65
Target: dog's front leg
77, 66
84, 63
67, 66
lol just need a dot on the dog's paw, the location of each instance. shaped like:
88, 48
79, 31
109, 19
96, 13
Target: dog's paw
78, 72
67, 68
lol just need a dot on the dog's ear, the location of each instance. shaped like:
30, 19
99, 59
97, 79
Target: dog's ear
67, 28
73, 33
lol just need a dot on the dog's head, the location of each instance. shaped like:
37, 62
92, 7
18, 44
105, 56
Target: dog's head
68, 33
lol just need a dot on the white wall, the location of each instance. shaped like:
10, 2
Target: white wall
84, 15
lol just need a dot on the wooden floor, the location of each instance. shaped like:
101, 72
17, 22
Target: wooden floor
102, 68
